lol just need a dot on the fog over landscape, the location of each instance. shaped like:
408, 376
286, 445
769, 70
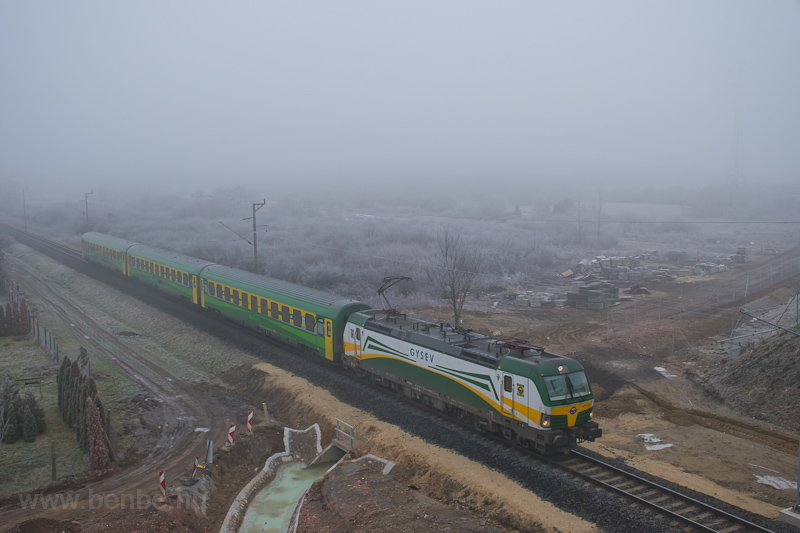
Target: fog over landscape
542, 132
189, 94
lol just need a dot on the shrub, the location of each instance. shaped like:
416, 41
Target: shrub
29, 427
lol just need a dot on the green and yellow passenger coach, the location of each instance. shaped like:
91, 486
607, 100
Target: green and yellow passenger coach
106, 250
312, 318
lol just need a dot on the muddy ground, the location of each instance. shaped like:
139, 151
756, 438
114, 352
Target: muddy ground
712, 449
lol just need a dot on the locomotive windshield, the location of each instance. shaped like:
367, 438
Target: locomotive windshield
565, 386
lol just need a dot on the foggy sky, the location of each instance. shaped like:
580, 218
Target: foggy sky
193, 94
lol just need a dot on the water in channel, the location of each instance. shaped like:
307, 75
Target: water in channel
271, 509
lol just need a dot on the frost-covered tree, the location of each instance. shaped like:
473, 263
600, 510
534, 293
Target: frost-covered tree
12, 433
30, 400
454, 269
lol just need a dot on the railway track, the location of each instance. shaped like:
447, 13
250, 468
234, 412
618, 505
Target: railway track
696, 515
55, 250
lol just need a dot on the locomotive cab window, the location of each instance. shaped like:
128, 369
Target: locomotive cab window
507, 383
565, 386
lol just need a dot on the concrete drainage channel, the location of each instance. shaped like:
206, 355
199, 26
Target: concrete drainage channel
273, 498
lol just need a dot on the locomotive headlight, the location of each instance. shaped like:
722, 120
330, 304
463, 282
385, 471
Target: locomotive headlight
545, 420
591, 415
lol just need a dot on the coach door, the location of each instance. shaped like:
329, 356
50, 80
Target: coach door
508, 395
195, 292
328, 339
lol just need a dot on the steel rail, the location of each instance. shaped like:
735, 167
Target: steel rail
28, 237
700, 507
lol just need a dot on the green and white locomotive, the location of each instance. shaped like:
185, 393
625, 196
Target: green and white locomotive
537, 398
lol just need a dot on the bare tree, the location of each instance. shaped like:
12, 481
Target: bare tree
453, 270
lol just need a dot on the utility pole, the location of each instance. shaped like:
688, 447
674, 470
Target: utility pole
256, 207
599, 209
86, 197
24, 213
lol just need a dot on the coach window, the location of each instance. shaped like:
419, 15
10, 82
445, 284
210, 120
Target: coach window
320, 327
285, 314
507, 383
297, 318
235, 298
226, 292
264, 307
254, 302
161, 269
273, 310
186, 279
311, 322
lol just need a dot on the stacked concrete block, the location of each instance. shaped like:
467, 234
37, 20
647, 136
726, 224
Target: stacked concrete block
741, 255
593, 296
